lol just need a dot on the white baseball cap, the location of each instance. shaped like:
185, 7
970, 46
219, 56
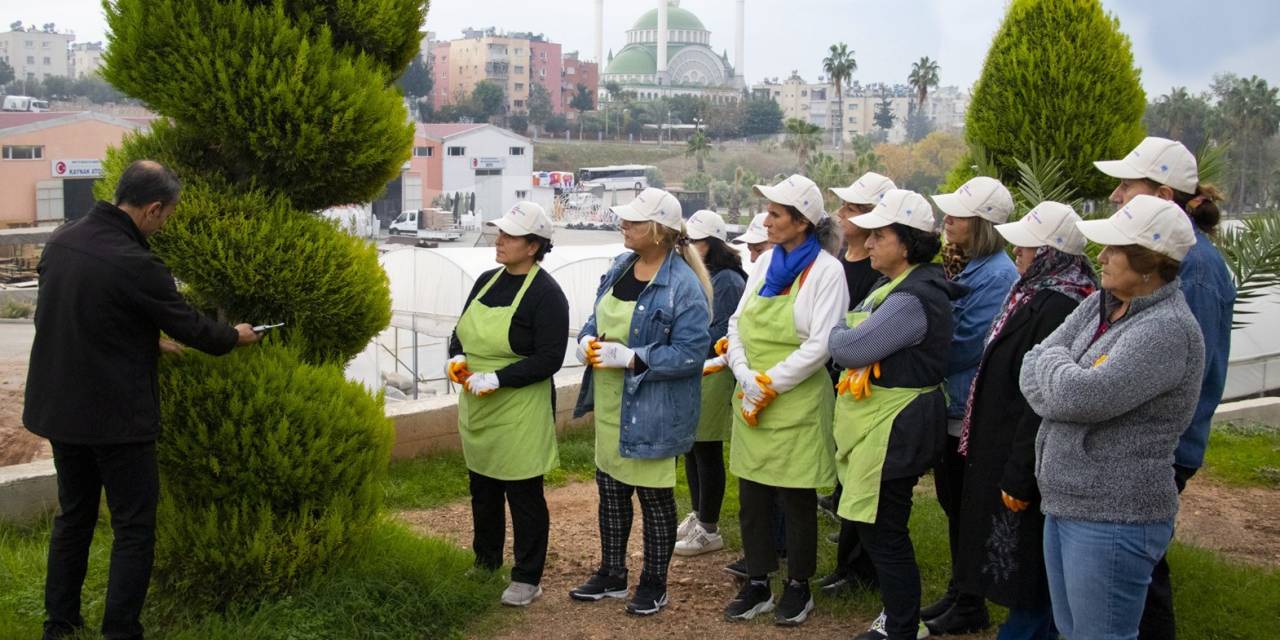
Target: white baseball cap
524, 219
1147, 221
865, 190
900, 206
705, 224
1049, 224
653, 205
981, 197
1161, 159
756, 233
796, 191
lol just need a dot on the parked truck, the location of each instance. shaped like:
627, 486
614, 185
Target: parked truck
25, 103
426, 225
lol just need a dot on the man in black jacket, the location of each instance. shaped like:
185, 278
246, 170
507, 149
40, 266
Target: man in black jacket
92, 389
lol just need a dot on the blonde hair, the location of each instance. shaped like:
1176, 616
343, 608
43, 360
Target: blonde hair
672, 239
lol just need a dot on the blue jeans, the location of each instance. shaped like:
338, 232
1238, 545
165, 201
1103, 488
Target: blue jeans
1098, 574
1029, 624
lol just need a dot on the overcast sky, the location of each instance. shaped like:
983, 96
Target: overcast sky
1185, 44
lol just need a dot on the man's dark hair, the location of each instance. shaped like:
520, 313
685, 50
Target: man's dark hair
145, 182
921, 246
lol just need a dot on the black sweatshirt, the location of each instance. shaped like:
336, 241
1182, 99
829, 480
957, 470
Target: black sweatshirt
539, 329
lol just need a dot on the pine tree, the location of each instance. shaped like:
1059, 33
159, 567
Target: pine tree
270, 459
1059, 79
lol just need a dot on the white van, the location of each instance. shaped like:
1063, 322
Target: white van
25, 103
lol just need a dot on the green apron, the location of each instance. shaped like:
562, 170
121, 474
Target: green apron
791, 445
862, 429
613, 321
715, 423
509, 434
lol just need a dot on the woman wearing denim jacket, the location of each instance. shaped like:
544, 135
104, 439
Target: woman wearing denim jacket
1117, 385
974, 258
782, 448
645, 345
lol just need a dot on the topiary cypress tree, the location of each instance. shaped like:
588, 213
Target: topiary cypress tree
1059, 79
270, 460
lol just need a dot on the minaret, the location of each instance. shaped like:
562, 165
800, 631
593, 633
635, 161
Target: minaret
600, 34
662, 39
739, 38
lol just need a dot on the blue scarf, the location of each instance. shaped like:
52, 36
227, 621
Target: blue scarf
785, 267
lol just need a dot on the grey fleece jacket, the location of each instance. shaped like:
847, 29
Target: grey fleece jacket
1104, 452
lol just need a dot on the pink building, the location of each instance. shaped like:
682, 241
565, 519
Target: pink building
576, 72
545, 69
50, 161
439, 53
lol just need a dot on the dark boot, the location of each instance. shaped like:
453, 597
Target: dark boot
942, 605
967, 615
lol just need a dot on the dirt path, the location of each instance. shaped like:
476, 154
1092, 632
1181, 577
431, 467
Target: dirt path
17, 445
1241, 522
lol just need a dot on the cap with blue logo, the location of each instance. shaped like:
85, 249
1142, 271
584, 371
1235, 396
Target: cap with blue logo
705, 224
756, 231
1147, 221
526, 218
1165, 161
653, 205
981, 197
900, 206
796, 191
865, 190
1049, 224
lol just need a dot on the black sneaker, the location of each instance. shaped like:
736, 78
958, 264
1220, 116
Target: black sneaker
648, 601
942, 605
601, 585
835, 584
795, 605
737, 568
968, 615
754, 598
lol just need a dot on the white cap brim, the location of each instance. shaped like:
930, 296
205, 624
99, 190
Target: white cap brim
1104, 232
626, 212
768, 193
1119, 169
508, 227
950, 204
871, 221
851, 195
1018, 235
750, 238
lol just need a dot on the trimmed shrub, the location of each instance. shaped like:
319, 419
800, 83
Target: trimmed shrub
1059, 79
270, 468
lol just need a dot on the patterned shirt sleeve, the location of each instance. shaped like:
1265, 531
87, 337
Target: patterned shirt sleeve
899, 322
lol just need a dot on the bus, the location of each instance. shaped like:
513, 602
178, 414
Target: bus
616, 177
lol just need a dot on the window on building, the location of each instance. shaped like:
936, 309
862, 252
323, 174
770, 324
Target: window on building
30, 43
423, 152
519, 86
457, 151
517, 151
523, 195
31, 59
488, 172
571, 70
23, 151
519, 104
47, 60
45, 44
519, 69
542, 73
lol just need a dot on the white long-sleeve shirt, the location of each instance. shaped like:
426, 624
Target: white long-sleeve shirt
820, 303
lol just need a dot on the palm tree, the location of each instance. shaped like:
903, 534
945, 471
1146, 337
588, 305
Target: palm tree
698, 147
924, 74
802, 138
839, 66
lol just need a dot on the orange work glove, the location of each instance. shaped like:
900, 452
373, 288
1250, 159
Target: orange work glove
722, 346
457, 369
1013, 504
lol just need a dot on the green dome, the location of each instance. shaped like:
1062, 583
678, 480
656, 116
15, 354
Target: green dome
633, 60
677, 18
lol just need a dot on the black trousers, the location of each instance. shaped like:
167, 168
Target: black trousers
658, 515
852, 559
530, 524
704, 467
759, 505
888, 541
1157, 618
129, 474
948, 482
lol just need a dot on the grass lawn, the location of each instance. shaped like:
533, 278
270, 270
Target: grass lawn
1244, 455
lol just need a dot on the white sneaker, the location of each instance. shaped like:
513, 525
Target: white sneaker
700, 541
520, 594
686, 526
877, 630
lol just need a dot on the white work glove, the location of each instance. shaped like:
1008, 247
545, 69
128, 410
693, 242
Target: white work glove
581, 352
751, 388
456, 369
611, 355
482, 384
714, 365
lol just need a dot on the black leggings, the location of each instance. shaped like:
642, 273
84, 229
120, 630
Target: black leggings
704, 467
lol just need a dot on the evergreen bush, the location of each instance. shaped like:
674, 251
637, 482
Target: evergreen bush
270, 460
270, 468
1059, 79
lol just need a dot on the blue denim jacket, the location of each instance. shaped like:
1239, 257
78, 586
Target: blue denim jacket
1211, 294
989, 280
669, 333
